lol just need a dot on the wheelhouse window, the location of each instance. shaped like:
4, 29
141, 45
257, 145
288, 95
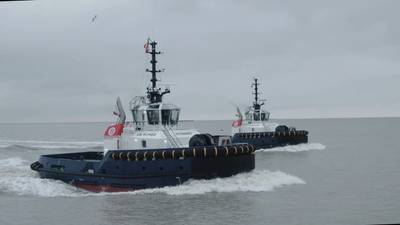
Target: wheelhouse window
153, 116
249, 117
256, 116
174, 116
264, 116
169, 116
138, 116
165, 114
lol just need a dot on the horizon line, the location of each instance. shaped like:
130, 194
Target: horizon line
192, 120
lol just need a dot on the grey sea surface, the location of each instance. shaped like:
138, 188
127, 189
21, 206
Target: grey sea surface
349, 173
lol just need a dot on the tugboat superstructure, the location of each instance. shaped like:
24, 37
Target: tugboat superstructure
257, 129
155, 123
150, 151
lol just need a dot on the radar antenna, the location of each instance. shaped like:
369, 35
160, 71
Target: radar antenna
154, 94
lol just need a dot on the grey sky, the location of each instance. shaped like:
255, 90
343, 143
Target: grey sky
313, 58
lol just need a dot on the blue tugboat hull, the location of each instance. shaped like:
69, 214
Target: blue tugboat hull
261, 140
122, 171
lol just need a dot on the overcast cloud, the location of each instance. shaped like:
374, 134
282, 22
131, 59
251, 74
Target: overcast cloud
313, 58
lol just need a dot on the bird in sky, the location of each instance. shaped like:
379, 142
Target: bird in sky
94, 18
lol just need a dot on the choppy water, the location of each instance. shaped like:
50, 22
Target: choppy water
348, 173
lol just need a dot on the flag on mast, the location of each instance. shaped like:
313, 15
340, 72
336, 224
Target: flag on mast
115, 111
239, 121
146, 45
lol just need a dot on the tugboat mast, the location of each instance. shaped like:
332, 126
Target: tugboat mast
257, 105
154, 94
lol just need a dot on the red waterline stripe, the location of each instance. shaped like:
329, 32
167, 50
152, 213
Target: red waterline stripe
101, 187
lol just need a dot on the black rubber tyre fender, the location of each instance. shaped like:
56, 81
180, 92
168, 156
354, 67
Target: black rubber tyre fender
201, 140
281, 128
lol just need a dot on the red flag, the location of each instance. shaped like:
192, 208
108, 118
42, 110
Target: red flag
114, 130
146, 45
237, 123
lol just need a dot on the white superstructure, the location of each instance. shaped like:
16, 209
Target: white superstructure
255, 119
155, 123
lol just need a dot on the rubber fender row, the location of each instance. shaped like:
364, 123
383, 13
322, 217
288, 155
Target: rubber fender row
271, 134
211, 151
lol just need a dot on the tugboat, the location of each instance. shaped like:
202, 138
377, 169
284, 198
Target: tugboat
257, 130
149, 152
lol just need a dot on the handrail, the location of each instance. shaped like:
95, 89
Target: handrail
171, 131
171, 136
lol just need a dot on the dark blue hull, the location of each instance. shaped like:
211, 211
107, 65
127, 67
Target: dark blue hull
262, 140
133, 170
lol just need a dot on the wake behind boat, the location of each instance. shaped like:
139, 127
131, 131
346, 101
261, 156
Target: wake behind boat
152, 151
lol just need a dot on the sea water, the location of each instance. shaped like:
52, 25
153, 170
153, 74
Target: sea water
349, 173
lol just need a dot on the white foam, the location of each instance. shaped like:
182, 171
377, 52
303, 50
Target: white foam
17, 178
28, 185
12, 163
20, 180
49, 144
295, 148
255, 181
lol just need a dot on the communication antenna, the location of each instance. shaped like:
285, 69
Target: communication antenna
257, 103
154, 94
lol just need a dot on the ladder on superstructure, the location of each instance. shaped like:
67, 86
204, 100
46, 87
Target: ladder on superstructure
171, 137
